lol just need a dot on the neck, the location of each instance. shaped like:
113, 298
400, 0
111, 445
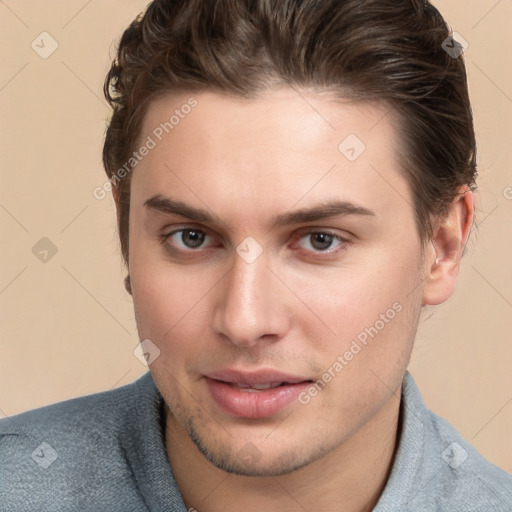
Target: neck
352, 476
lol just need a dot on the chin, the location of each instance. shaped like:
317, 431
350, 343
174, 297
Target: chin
256, 457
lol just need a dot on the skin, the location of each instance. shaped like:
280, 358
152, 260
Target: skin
297, 307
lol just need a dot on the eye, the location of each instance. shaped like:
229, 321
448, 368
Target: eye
187, 238
321, 241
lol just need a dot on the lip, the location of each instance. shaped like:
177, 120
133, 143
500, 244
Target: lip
257, 377
254, 404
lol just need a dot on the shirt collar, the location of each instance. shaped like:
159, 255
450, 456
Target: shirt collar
413, 464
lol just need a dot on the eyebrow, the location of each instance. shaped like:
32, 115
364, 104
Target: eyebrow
173, 207
330, 208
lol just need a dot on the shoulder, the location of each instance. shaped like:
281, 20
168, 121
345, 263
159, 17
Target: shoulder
455, 476
436, 469
54, 453
72, 419
465, 476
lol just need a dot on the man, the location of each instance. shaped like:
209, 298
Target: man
293, 182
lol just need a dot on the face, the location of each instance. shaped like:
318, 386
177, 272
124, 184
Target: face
266, 247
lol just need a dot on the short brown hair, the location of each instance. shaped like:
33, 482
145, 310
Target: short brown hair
385, 50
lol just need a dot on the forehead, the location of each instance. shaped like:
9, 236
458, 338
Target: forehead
284, 148
303, 120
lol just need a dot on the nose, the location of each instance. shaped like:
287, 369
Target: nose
250, 307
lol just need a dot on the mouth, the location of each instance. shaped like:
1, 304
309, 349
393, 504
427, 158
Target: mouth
251, 388
254, 395
255, 387
256, 379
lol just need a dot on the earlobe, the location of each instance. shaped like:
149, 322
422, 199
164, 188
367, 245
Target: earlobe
115, 195
442, 262
128, 284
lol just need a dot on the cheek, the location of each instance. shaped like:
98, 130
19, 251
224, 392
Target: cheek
167, 301
364, 293
374, 316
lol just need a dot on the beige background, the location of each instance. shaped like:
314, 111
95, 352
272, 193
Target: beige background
67, 326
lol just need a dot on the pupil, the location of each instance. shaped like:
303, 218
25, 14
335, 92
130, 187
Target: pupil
192, 238
321, 241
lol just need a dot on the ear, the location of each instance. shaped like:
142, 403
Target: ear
444, 252
115, 195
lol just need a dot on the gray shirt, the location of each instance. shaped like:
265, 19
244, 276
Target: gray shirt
106, 452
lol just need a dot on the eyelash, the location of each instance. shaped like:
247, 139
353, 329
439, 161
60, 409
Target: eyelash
343, 242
